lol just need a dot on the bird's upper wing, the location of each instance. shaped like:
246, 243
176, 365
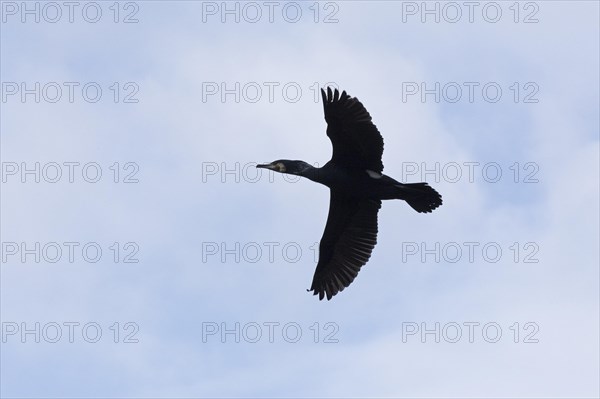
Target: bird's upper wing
349, 238
356, 141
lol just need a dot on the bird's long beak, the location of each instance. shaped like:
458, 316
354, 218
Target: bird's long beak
274, 166
267, 166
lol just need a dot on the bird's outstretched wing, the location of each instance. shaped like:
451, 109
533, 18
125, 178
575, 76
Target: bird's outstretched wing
356, 141
349, 238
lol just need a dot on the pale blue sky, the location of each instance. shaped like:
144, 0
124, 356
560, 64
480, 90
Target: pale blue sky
177, 214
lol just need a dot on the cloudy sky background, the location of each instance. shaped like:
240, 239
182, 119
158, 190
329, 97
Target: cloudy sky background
184, 205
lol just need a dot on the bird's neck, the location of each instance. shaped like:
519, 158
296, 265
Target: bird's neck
310, 172
314, 174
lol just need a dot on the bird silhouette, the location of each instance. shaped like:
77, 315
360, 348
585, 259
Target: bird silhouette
357, 187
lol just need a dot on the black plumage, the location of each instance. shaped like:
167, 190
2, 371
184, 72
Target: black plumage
357, 187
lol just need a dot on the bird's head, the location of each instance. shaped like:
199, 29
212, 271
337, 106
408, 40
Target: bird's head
286, 166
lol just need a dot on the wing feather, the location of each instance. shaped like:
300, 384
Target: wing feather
356, 141
347, 243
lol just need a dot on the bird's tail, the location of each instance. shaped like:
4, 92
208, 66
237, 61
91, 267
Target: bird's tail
420, 196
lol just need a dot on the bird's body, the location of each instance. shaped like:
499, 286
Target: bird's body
357, 186
357, 183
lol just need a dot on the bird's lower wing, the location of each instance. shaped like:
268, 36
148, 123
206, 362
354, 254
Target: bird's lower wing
347, 243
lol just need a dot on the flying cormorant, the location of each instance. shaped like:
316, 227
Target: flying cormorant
357, 187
